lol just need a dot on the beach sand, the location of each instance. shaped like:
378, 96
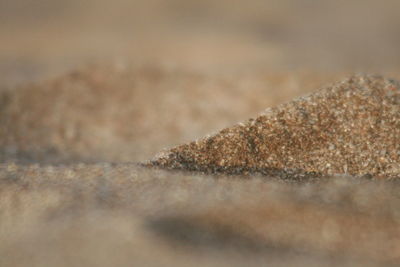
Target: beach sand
91, 92
351, 127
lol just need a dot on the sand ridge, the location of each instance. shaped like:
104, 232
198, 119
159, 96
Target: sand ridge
351, 127
105, 112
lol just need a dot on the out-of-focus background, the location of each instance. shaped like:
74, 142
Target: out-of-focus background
41, 37
88, 89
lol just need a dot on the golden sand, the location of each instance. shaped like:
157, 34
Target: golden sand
351, 127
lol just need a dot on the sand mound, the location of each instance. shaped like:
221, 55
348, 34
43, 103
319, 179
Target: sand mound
350, 127
128, 114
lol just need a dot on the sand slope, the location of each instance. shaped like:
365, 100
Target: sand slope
129, 113
351, 127
159, 73
99, 214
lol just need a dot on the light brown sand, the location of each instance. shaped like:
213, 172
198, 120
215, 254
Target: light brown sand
100, 214
105, 214
129, 114
179, 70
351, 127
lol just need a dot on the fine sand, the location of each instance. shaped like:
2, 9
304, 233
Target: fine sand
351, 127
63, 202
101, 104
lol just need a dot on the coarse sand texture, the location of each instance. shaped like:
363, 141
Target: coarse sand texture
351, 127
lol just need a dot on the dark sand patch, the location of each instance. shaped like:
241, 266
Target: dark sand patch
351, 127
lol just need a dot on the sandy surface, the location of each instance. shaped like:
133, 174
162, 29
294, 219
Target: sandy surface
105, 113
105, 214
89, 90
350, 127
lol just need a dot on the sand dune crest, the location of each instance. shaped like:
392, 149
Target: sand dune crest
350, 127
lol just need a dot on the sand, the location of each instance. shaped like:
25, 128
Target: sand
351, 127
89, 90
67, 198
103, 214
113, 113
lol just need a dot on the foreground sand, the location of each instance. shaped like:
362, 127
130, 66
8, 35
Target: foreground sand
64, 203
107, 214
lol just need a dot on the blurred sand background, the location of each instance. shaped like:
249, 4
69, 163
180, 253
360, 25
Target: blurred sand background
47, 37
91, 88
